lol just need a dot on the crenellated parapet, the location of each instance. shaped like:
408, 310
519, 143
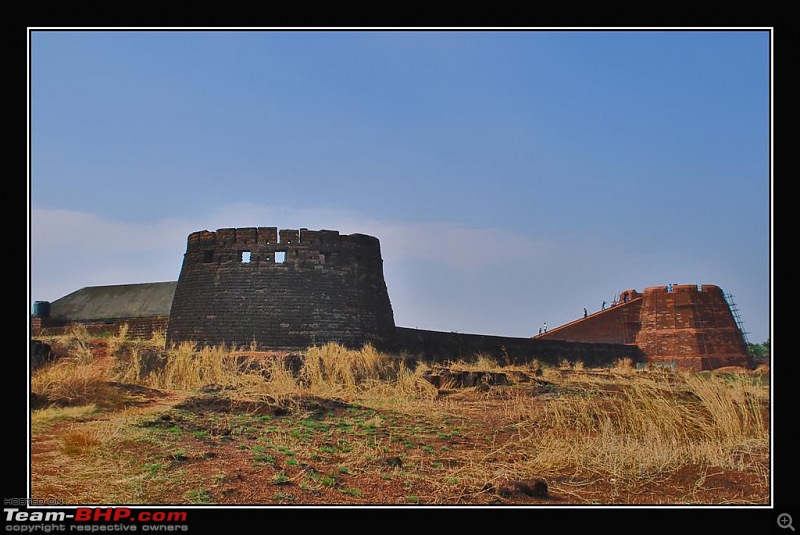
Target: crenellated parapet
268, 245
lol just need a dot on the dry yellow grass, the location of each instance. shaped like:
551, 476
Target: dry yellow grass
662, 420
330, 371
624, 366
75, 381
334, 369
650, 423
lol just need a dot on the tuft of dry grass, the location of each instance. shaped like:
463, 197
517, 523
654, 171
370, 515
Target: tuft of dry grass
128, 369
189, 368
114, 342
334, 369
267, 379
535, 367
479, 363
485, 363
78, 442
91, 438
75, 381
624, 366
406, 384
158, 339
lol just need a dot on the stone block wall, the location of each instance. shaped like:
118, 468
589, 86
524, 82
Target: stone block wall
281, 289
438, 346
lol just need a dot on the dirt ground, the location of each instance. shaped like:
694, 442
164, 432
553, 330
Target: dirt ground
207, 447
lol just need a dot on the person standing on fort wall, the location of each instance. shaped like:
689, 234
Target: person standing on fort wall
585, 313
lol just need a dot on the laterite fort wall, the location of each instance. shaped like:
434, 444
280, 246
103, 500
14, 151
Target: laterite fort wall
686, 325
693, 327
287, 289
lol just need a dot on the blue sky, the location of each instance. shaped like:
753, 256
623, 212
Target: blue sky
513, 177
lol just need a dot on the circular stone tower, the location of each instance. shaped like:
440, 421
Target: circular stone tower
288, 289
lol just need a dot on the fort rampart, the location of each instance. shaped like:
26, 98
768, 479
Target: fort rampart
440, 346
266, 289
